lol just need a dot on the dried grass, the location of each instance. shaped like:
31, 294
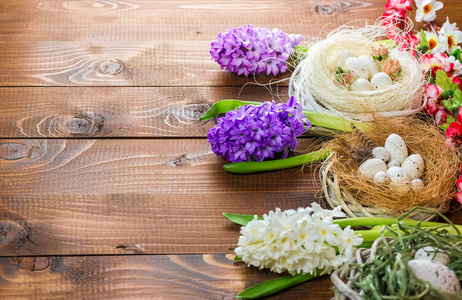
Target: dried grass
421, 137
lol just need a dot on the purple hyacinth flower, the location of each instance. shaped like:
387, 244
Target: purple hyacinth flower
254, 133
253, 50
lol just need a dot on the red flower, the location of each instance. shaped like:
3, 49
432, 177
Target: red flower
457, 80
459, 183
454, 132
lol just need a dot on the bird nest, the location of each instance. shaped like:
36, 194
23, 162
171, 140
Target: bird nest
344, 185
313, 81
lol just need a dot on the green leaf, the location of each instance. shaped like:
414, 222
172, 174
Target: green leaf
444, 127
444, 82
456, 54
423, 46
239, 219
246, 167
453, 104
224, 106
273, 286
457, 99
301, 49
237, 258
449, 120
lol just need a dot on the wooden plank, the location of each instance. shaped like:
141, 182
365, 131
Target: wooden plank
60, 197
211, 276
122, 21
146, 43
115, 111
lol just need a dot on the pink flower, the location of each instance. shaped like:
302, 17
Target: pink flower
380, 51
432, 62
433, 91
459, 187
400, 6
452, 66
441, 115
459, 197
392, 68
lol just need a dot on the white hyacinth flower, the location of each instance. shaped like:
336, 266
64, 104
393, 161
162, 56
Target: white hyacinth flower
297, 241
426, 10
436, 43
452, 34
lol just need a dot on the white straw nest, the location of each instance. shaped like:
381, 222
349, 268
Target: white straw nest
313, 82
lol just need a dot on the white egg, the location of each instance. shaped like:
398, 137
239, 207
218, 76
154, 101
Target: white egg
342, 57
431, 253
393, 163
382, 153
397, 147
417, 185
369, 62
371, 167
361, 85
400, 182
357, 67
382, 178
438, 275
381, 81
398, 175
414, 166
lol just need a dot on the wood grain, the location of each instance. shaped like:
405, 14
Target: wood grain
135, 21
61, 196
146, 43
116, 112
210, 276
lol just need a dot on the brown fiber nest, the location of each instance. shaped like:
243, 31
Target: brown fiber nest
359, 196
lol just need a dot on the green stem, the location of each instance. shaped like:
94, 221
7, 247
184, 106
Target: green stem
331, 122
246, 167
276, 285
373, 221
224, 106
316, 119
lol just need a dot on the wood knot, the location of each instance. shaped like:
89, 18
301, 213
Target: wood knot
13, 235
324, 9
15, 150
37, 264
110, 67
78, 125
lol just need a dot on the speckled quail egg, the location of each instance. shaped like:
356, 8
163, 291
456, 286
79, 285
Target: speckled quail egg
382, 178
431, 253
413, 165
357, 67
393, 163
438, 275
397, 147
369, 63
382, 153
417, 185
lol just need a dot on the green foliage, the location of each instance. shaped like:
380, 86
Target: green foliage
453, 104
423, 46
239, 219
444, 82
456, 54
273, 286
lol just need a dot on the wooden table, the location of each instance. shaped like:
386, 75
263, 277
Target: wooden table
108, 187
